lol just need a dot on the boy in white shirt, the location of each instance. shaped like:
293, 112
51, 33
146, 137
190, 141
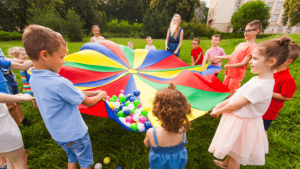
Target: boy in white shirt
149, 42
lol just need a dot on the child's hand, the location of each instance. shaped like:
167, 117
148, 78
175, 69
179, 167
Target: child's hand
34, 103
102, 94
193, 64
214, 114
227, 66
27, 97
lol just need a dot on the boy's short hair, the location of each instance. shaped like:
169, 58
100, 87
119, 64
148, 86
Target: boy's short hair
256, 24
294, 51
217, 36
37, 38
129, 43
196, 39
95, 26
148, 37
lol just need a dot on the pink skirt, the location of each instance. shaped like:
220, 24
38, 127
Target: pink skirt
242, 139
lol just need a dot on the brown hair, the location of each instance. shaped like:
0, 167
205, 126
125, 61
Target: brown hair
95, 26
278, 48
217, 36
37, 38
256, 24
196, 39
148, 37
171, 107
129, 43
294, 51
14, 51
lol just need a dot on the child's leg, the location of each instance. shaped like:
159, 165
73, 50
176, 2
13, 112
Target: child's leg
12, 108
232, 164
18, 158
2, 161
72, 165
20, 110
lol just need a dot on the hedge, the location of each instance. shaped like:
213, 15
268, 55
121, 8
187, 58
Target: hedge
7, 36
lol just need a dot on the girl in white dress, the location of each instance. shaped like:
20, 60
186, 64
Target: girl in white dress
240, 134
11, 144
96, 38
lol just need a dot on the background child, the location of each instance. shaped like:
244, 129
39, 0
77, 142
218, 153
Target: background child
96, 31
284, 88
238, 60
196, 52
130, 44
215, 50
240, 134
167, 142
174, 36
149, 42
56, 96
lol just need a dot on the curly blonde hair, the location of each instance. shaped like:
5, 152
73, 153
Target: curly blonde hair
171, 107
15, 51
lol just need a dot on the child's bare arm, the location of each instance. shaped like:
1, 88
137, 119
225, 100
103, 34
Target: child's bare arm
244, 62
193, 61
7, 98
147, 138
91, 93
203, 64
91, 101
221, 57
25, 66
92, 39
197, 59
279, 97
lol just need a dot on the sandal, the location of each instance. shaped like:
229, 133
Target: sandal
5, 167
218, 163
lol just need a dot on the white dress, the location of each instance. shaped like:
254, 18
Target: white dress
241, 133
97, 41
10, 135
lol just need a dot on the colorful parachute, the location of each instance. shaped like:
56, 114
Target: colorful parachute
111, 67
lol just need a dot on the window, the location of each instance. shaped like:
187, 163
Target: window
298, 29
274, 17
278, 5
280, 28
271, 28
236, 8
270, 4
238, 1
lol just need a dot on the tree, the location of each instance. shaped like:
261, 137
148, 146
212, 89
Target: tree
248, 12
104, 25
148, 23
291, 12
73, 26
199, 12
186, 8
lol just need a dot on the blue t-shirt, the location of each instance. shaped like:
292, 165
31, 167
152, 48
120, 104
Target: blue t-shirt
57, 99
4, 64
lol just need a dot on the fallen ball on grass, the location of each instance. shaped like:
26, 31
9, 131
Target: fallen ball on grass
106, 160
98, 166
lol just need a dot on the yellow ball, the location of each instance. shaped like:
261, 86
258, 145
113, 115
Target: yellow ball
147, 107
111, 105
106, 160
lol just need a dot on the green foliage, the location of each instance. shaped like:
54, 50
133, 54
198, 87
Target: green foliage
124, 29
186, 8
148, 23
199, 29
291, 12
104, 25
192, 35
73, 26
6, 36
248, 12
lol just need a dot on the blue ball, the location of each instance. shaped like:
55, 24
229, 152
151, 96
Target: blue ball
127, 112
132, 99
116, 111
119, 167
136, 93
121, 106
129, 96
148, 125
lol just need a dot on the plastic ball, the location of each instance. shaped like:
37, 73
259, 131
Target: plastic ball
136, 117
131, 106
140, 105
126, 112
125, 108
132, 99
114, 96
122, 91
119, 167
107, 97
147, 107
117, 100
116, 104
141, 126
127, 103
120, 95
142, 119
148, 125
98, 166
130, 95
121, 106
136, 93
131, 115
120, 114
111, 105
106, 160
122, 98
131, 111
112, 100
116, 111
128, 125
122, 119
129, 119
136, 103
134, 127
144, 113
137, 111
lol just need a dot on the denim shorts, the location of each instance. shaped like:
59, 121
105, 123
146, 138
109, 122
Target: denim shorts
12, 84
267, 123
79, 150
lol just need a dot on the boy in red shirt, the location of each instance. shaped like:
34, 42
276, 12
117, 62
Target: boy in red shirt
284, 87
196, 53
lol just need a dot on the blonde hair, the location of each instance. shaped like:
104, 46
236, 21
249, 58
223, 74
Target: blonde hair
14, 51
148, 37
95, 26
176, 32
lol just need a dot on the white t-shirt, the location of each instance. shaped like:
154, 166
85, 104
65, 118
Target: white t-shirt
150, 47
259, 92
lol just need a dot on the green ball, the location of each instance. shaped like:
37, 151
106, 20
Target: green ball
127, 103
144, 113
122, 99
114, 96
134, 127
136, 103
132, 111
112, 100
120, 114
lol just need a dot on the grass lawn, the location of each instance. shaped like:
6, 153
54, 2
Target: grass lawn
126, 148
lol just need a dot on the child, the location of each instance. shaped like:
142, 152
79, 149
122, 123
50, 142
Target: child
130, 44
168, 141
174, 36
96, 38
238, 60
196, 53
240, 134
284, 88
215, 50
149, 42
56, 97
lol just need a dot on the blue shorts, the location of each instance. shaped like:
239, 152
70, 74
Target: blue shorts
12, 83
267, 123
79, 150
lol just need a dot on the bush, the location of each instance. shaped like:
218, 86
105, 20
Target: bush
73, 26
16, 35
6, 36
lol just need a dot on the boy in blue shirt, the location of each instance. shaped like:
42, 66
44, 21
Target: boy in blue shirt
56, 97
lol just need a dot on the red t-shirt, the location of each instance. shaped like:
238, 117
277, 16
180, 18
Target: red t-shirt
195, 53
284, 85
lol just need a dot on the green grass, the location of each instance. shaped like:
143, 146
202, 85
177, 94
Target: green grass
126, 148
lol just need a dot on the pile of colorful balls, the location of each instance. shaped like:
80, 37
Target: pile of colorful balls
130, 111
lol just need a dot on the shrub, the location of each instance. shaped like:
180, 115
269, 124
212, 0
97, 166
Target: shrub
6, 36
73, 26
16, 35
